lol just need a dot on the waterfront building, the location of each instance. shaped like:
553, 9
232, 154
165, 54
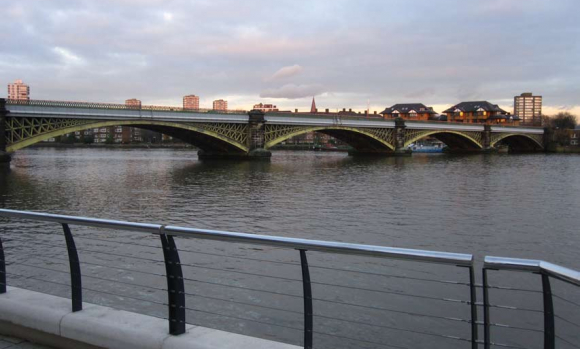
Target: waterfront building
18, 90
133, 103
479, 112
528, 108
265, 107
220, 104
409, 111
191, 102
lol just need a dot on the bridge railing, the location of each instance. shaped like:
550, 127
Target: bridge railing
553, 318
113, 106
364, 298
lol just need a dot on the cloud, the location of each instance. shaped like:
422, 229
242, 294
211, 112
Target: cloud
67, 57
425, 92
167, 16
291, 91
164, 49
286, 72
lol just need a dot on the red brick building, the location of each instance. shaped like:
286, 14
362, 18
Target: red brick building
409, 111
481, 112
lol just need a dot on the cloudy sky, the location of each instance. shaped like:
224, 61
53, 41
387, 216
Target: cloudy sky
347, 53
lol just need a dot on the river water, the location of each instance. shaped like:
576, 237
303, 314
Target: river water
522, 206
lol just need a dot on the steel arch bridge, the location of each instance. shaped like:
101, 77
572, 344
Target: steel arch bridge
241, 134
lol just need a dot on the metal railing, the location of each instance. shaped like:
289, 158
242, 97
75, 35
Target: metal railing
114, 106
177, 293
546, 271
175, 280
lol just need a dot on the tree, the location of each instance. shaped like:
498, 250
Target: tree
563, 120
110, 139
546, 120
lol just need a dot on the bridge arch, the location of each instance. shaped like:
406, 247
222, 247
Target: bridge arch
455, 140
359, 138
204, 138
518, 142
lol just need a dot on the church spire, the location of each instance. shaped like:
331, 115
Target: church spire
313, 107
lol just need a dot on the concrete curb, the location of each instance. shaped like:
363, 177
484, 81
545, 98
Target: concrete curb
105, 327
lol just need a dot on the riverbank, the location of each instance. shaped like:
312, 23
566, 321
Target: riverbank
564, 149
116, 146
311, 147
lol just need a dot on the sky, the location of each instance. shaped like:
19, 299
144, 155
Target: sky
349, 54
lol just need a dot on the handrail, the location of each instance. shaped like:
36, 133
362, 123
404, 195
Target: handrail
459, 259
534, 266
88, 222
98, 105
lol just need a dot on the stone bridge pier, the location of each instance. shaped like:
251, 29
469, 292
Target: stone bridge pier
256, 140
4, 156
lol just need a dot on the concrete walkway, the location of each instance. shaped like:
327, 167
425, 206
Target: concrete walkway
16, 343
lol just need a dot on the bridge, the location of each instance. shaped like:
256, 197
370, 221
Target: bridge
240, 134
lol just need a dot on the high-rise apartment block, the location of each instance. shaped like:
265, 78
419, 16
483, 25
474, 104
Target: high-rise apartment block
18, 90
220, 104
191, 102
529, 108
133, 103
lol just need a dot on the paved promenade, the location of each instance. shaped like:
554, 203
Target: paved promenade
15, 343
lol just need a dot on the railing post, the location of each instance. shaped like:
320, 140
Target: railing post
486, 334
473, 299
549, 327
75, 270
2, 269
307, 293
175, 287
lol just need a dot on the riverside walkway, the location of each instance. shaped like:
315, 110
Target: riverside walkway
7, 342
443, 307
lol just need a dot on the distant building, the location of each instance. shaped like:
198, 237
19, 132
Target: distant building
313, 108
528, 108
191, 102
220, 104
18, 90
133, 103
410, 111
265, 107
479, 112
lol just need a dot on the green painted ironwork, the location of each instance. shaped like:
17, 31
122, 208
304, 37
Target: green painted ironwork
25, 131
275, 134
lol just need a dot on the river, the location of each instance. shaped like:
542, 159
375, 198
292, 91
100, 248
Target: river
522, 206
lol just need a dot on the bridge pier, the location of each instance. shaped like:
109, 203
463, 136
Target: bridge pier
255, 142
4, 156
398, 142
400, 149
486, 140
